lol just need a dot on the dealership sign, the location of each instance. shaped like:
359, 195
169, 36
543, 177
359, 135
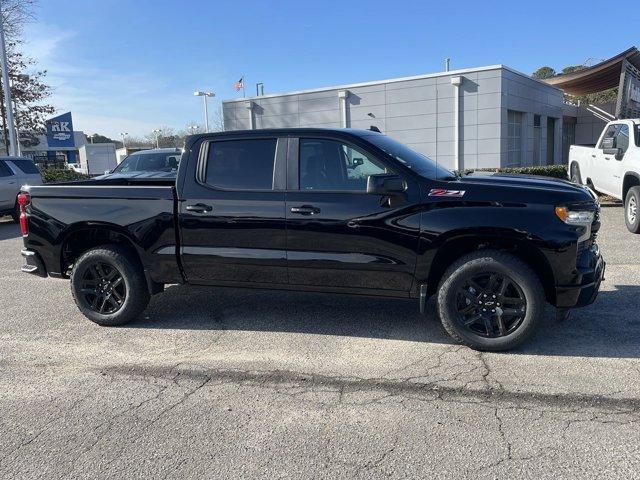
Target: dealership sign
60, 131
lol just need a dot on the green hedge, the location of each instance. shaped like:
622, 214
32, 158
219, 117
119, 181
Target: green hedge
62, 175
556, 171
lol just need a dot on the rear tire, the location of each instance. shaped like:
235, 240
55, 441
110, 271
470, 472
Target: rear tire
575, 174
631, 213
109, 286
15, 214
490, 300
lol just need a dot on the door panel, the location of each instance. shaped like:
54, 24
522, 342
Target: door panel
348, 238
353, 241
231, 234
8, 187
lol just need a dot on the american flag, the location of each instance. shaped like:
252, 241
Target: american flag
239, 84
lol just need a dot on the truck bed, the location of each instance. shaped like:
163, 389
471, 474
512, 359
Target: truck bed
142, 212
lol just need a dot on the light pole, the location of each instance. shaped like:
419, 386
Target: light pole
206, 112
124, 139
157, 132
13, 135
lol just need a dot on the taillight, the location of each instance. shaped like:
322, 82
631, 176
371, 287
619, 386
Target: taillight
23, 200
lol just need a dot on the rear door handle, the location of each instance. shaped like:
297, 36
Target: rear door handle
305, 210
199, 208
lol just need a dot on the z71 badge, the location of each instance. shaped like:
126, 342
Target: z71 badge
441, 192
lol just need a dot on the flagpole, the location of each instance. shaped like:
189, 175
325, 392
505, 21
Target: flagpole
243, 82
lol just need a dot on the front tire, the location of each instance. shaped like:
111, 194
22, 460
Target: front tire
490, 300
109, 286
631, 213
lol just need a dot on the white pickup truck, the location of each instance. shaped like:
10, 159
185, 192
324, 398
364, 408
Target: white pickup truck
612, 167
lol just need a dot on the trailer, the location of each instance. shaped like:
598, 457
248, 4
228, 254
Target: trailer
97, 158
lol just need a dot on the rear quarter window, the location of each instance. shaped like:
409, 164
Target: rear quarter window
26, 166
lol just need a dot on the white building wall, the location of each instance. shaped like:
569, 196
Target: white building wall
418, 111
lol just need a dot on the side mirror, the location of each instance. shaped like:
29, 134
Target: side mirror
385, 184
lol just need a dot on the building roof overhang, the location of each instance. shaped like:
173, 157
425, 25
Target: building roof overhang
600, 77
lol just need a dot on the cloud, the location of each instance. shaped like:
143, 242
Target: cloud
102, 100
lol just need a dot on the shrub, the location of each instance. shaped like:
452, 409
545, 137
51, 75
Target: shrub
555, 171
62, 175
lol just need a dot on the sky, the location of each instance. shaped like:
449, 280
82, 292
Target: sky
132, 66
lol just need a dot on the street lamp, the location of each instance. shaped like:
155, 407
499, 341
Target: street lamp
124, 142
193, 129
157, 132
206, 112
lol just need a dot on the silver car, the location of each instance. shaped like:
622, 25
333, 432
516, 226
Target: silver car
15, 172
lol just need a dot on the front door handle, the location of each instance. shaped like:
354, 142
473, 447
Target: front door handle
305, 210
199, 208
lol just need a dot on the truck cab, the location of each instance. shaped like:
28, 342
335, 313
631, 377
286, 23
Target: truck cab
612, 166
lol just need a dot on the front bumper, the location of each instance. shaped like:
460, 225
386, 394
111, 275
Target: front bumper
591, 267
34, 263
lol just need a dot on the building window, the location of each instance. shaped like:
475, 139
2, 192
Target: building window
514, 138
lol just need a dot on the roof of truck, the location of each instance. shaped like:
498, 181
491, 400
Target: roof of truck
288, 131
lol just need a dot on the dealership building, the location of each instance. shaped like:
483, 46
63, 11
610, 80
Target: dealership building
483, 117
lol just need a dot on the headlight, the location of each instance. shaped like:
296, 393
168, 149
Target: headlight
575, 217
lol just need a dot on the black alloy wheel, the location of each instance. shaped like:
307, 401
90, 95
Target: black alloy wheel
491, 305
103, 288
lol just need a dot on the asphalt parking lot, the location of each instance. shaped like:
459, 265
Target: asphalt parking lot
222, 383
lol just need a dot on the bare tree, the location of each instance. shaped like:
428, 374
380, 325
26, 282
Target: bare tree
28, 89
216, 124
15, 15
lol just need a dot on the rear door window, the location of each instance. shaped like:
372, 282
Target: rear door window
5, 171
26, 166
241, 164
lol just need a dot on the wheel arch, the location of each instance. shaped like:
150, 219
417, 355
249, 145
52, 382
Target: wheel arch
81, 237
630, 179
457, 246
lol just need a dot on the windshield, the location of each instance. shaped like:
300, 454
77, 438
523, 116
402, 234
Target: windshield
150, 162
419, 163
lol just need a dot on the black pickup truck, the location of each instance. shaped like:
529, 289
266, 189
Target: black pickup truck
342, 211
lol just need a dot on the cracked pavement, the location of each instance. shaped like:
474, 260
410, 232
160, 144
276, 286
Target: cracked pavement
229, 383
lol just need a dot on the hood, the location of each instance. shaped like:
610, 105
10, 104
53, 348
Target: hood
526, 188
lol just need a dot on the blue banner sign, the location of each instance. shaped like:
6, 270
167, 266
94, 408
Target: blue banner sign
60, 131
